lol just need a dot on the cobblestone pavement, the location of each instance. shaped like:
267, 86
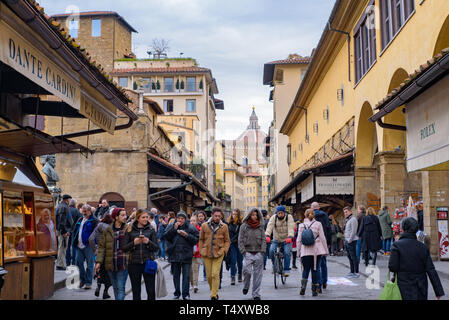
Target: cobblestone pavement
339, 288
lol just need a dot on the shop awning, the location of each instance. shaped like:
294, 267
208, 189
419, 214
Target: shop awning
35, 143
303, 175
185, 174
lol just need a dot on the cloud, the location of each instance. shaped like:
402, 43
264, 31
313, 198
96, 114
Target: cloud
233, 38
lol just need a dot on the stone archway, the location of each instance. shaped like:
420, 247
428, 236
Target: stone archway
366, 141
114, 198
394, 140
443, 38
366, 173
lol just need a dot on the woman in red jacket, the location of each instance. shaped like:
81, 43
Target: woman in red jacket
196, 261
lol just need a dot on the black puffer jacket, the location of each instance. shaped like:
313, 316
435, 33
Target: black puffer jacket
410, 259
141, 253
234, 230
182, 246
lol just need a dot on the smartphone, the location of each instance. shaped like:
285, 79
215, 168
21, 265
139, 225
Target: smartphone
141, 236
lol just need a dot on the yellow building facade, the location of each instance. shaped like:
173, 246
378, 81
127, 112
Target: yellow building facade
366, 50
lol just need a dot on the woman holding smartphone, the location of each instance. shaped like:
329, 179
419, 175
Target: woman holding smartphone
141, 242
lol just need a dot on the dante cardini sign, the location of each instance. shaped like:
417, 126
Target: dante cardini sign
26, 59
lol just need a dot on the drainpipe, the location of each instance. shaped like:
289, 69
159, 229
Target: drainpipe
390, 126
348, 36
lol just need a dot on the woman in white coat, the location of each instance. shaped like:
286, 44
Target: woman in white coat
311, 253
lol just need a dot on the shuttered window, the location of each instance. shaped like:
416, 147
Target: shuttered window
365, 44
394, 14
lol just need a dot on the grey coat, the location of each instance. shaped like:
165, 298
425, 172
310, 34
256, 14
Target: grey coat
95, 237
351, 229
252, 240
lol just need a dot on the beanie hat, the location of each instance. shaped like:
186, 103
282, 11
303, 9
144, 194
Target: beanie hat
280, 208
115, 212
181, 214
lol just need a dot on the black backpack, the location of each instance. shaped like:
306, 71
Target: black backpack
307, 237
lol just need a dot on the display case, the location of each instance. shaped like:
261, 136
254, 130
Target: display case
13, 226
45, 225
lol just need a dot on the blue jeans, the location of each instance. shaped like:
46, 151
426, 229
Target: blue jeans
118, 279
307, 263
183, 268
86, 275
287, 253
358, 249
386, 245
236, 258
322, 271
161, 249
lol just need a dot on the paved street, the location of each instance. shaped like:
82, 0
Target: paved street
338, 288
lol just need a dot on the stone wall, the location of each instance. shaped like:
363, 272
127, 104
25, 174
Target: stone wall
87, 179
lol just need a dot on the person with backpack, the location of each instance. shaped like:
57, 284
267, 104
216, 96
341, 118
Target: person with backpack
94, 241
312, 246
282, 225
322, 217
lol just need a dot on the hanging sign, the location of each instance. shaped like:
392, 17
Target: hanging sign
335, 185
29, 61
100, 116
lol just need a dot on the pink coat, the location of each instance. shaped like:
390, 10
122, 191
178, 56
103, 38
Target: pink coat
320, 245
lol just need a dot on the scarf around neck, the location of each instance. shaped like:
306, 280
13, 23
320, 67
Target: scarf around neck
253, 224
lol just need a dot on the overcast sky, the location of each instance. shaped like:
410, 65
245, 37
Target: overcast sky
234, 38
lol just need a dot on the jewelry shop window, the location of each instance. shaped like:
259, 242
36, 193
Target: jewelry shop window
13, 225
45, 225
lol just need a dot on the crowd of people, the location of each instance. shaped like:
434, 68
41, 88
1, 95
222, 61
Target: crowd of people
110, 245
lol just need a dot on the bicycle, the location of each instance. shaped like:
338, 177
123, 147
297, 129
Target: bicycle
278, 266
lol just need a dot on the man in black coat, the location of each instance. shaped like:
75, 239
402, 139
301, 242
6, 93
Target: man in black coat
410, 261
103, 208
182, 237
62, 230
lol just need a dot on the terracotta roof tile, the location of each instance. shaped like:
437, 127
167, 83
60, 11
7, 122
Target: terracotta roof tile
296, 60
422, 68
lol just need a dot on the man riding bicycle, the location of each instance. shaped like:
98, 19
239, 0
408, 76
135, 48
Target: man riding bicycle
282, 225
